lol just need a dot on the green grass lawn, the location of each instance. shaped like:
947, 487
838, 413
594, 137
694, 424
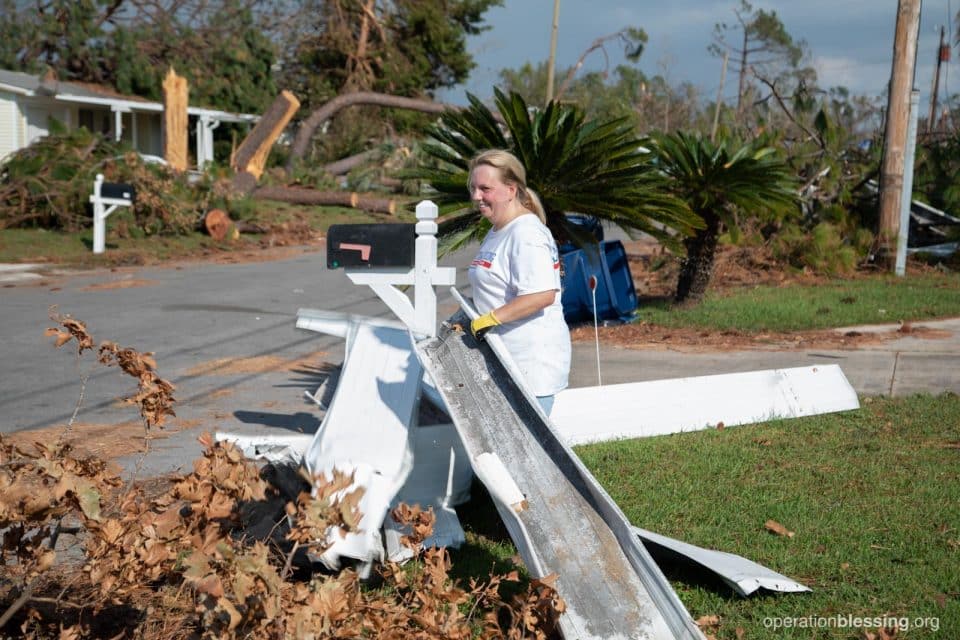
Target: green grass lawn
840, 303
133, 247
872, 496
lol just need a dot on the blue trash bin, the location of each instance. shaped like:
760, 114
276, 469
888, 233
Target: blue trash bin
588, 224
615, 293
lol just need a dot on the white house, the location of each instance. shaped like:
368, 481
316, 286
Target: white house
28, 102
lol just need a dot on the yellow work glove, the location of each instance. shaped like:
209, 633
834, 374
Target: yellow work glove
480, 325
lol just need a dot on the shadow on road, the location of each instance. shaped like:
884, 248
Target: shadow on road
301, 422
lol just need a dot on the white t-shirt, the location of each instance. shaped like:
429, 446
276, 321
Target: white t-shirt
518, 259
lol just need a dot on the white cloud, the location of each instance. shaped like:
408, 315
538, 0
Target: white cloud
856, 75
850, 41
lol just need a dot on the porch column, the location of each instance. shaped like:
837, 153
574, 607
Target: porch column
204, 134
117, 124
199, 137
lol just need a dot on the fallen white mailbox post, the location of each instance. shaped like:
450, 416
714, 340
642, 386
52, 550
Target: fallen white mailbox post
376, 399
379, 382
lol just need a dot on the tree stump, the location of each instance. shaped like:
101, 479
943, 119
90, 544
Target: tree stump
217, 223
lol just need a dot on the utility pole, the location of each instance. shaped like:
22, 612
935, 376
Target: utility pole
716, 112
943, 55
895, 131
553, 50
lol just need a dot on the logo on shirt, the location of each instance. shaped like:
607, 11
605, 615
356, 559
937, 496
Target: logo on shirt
484, 259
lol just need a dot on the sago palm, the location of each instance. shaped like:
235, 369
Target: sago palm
720, 182
589, 167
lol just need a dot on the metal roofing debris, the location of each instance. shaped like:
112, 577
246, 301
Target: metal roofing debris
744, 576
570, 526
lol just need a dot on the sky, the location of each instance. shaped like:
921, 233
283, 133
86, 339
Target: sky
850, 41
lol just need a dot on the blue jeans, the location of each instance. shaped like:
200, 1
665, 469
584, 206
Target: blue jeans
546, 403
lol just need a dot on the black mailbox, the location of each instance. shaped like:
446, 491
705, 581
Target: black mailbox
371, 245
117, 191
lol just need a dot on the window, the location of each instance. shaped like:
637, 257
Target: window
85, 119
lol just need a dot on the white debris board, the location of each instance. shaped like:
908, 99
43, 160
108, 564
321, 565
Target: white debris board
660, 407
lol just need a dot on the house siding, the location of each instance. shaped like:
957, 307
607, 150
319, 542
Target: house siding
37, 113
26, 104
10, 124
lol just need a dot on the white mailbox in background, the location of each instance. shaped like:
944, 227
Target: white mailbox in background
107, 196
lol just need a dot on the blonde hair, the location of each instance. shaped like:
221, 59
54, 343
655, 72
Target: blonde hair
513, 173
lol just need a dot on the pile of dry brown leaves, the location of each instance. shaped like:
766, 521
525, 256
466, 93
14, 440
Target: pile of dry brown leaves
87, 555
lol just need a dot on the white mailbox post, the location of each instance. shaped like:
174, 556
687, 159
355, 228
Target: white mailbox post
421, 315
107, 196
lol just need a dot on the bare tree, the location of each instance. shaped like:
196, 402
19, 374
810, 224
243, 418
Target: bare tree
633, 39
764, 43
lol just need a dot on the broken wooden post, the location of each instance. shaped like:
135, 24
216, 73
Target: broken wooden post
251, 157
175, 100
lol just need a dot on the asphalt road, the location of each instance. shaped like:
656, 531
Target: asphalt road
225, 336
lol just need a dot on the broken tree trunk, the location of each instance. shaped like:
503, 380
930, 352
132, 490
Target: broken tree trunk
348, 164
327, 111
174, 131
395, 184
251, 157
300, 195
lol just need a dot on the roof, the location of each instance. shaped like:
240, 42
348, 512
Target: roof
38, 85
88, 93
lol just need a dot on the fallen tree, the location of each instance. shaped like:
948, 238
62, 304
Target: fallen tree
348, 164
302, 195
309, 126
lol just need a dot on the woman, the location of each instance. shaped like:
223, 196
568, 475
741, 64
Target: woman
516, 275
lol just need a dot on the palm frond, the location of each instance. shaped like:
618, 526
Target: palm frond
712, 179
458, 231
599, 168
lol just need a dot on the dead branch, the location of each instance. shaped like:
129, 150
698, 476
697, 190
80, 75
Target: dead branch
17, 604
776, 95
596, 44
